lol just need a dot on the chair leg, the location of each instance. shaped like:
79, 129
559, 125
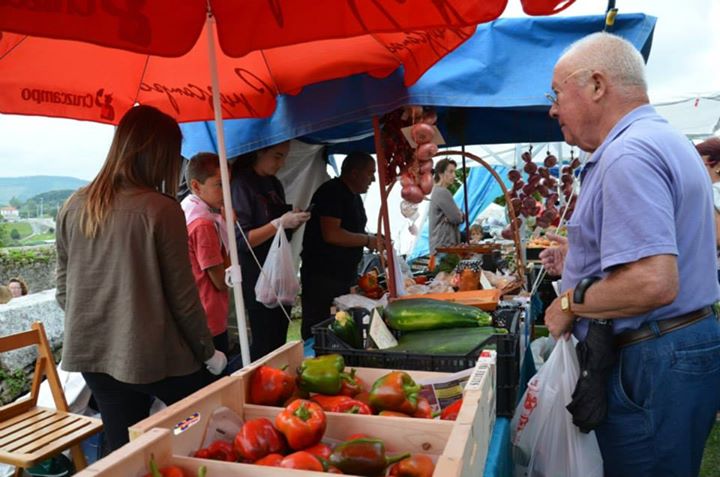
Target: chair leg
18, 472
78, 458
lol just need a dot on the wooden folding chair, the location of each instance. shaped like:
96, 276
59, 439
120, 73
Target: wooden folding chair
30, 434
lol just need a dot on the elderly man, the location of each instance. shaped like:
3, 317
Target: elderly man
640, 253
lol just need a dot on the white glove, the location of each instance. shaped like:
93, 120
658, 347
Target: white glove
291, 220
217, 363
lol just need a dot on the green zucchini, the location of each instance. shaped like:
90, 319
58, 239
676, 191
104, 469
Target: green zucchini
418, 314
448, 341
346, 329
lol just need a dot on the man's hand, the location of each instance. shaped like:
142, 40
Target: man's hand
557, 321
553, 258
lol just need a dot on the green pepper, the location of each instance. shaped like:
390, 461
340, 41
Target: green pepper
364, 456
322, 374
346, 329
396, 391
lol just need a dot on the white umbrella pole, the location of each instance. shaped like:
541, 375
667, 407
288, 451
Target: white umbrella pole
235, 272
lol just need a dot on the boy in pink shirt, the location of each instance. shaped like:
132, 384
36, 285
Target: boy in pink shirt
207, 236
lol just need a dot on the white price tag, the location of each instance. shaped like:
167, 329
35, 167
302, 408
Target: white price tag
380, 333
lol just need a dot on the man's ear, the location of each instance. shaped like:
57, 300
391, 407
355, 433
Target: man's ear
599, 82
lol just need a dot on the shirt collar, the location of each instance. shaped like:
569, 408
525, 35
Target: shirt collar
641, 112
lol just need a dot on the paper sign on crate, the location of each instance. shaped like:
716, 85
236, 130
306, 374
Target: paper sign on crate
487, 358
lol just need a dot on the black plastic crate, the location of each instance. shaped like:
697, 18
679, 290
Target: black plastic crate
507, 348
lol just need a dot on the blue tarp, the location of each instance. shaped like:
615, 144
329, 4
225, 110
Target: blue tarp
482, 190
490, 90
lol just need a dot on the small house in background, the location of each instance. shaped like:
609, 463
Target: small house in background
9, 212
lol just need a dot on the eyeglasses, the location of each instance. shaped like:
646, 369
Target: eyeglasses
552, 97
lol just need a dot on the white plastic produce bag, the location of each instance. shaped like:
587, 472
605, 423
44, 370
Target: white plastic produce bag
545, 441
278, 282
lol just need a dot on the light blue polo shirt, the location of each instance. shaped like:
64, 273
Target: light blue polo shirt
645, 192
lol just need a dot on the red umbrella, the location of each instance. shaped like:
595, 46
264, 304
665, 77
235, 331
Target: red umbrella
172, 27
94, 60
81, 80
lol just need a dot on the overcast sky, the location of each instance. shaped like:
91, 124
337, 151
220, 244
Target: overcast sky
684, 61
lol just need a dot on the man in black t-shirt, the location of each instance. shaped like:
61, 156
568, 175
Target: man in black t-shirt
334, 239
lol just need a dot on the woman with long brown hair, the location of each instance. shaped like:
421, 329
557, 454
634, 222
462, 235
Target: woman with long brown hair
134, 324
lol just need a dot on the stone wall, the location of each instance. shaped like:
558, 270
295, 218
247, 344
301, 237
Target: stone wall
35, 265
19, 314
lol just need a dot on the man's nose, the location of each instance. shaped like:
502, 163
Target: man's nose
553, 111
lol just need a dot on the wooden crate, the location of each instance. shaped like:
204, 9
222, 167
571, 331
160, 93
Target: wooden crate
459, 447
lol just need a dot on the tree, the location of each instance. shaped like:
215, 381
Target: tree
15, 202
14, 234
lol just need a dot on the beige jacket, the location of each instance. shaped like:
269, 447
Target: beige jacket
132, 309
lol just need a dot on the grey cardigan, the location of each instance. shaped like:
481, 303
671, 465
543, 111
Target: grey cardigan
132, 309
444, 219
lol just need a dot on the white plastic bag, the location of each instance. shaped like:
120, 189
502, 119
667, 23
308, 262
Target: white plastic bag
545, 441
278, 282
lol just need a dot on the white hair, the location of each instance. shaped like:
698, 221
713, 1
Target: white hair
612, 55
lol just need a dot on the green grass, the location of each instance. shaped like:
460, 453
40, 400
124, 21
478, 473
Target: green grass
23, 228
711, 459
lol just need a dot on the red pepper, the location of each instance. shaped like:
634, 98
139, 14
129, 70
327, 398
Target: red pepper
218, 450
302, 460
417, 465
270, 386
297, 394
424, 409
396, 391
374, 293
258, 438
303, 423
351, 384
363, 397
270, 460
369, 280
320, 450
450, 413
344, 404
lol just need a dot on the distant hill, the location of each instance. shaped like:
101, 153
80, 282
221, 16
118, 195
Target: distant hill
25, 188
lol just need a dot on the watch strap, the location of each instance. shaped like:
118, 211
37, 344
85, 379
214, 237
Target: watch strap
581, 288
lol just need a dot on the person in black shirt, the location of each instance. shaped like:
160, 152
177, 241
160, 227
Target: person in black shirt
334, 239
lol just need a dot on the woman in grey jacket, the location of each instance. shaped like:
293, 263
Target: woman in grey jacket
445, 217
134, 324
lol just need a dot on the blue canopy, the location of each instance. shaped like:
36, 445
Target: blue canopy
490, 90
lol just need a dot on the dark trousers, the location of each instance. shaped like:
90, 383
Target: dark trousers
318, 291
221, 342
269, 328
123, 404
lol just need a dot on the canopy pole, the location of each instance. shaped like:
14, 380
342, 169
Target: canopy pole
233, 275
382, 175
465, 194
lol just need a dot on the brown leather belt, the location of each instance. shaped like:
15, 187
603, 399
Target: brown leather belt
664, 326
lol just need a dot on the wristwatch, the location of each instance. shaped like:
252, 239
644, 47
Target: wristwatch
565, 302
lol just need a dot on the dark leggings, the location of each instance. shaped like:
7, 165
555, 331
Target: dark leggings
269, 328
124, 404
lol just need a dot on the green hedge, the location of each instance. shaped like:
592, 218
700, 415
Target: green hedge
18, 257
